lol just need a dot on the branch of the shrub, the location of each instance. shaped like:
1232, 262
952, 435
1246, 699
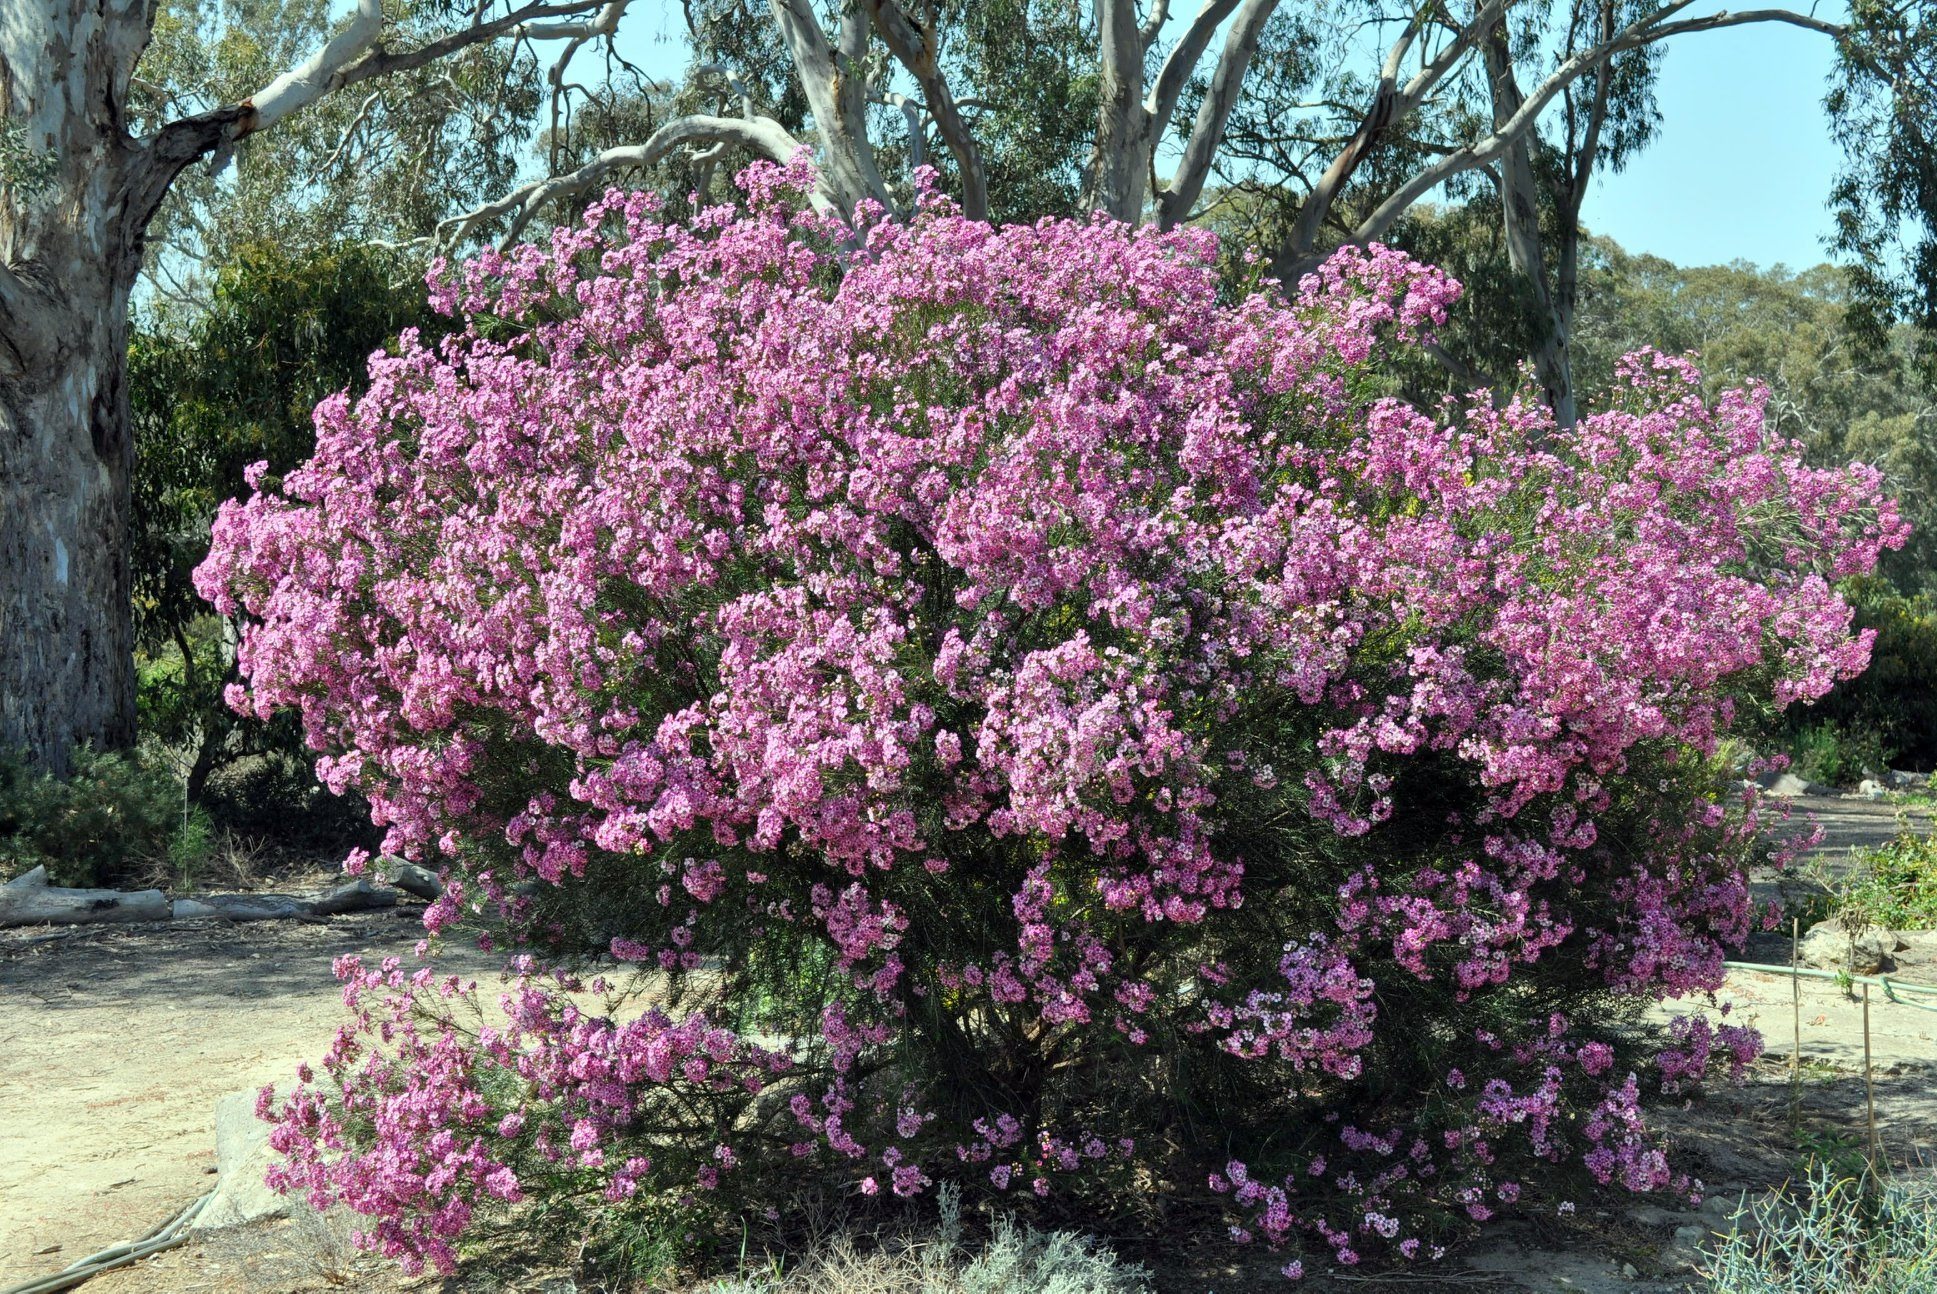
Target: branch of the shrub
762, 134
1646, 31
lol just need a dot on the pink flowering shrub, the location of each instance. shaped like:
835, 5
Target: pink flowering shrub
1056, 727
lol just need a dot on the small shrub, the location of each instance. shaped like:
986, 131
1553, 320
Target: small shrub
1016, 1260
1837, 754
1893, 885
1833, 1235
115, 818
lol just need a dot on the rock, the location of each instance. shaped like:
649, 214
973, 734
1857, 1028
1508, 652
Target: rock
1903, 781
1829, 946
1722, 1208
242, 1156
1653, 1215
1789, 785
1692, 1237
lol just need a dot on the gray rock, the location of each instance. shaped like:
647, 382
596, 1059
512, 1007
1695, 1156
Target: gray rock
1903, 781
1829, 946
1789, 785
242, 1156
1722, 1207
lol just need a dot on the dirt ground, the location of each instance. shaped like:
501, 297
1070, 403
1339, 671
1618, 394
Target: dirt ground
116, 1043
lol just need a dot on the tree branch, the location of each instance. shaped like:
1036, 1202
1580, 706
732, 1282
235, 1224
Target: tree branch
1182, 61
316, 75
763, 135
1646, 31
1214, 113
836, 94
1153, 25
915, 48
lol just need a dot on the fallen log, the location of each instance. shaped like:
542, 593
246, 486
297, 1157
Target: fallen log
28, 900
356, 896
411, 878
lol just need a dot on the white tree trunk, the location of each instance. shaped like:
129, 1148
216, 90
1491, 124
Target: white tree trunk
69, 253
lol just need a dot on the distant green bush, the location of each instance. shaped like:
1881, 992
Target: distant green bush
1833, 1235
1837, 755
112, 819
1892, 885
1887, 714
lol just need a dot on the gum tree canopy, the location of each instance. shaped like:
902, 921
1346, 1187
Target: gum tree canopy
1025, 107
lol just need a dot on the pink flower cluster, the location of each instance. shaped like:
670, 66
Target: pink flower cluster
1075, 668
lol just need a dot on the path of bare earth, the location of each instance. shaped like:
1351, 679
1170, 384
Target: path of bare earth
116, 1043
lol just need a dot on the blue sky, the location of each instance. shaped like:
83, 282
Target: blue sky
1744, 161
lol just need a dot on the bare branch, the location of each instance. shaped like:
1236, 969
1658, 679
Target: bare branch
376, 61
605, 23
349, 133
915, 48
1153, 25
1214, 113
733, 83
317, 75
1182, 61
763, 135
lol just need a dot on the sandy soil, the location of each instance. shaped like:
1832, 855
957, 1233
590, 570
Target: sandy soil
116, 1043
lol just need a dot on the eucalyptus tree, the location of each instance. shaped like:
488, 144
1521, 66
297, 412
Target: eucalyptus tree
92, 149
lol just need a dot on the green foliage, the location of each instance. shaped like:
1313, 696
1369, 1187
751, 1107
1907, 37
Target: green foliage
1833, 1235
213, 392
1895, 700
1893, 885
1836, 755
115, 817
385, 160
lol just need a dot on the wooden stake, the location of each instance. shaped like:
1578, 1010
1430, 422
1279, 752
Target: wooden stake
1795, 1006
1869, 1084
